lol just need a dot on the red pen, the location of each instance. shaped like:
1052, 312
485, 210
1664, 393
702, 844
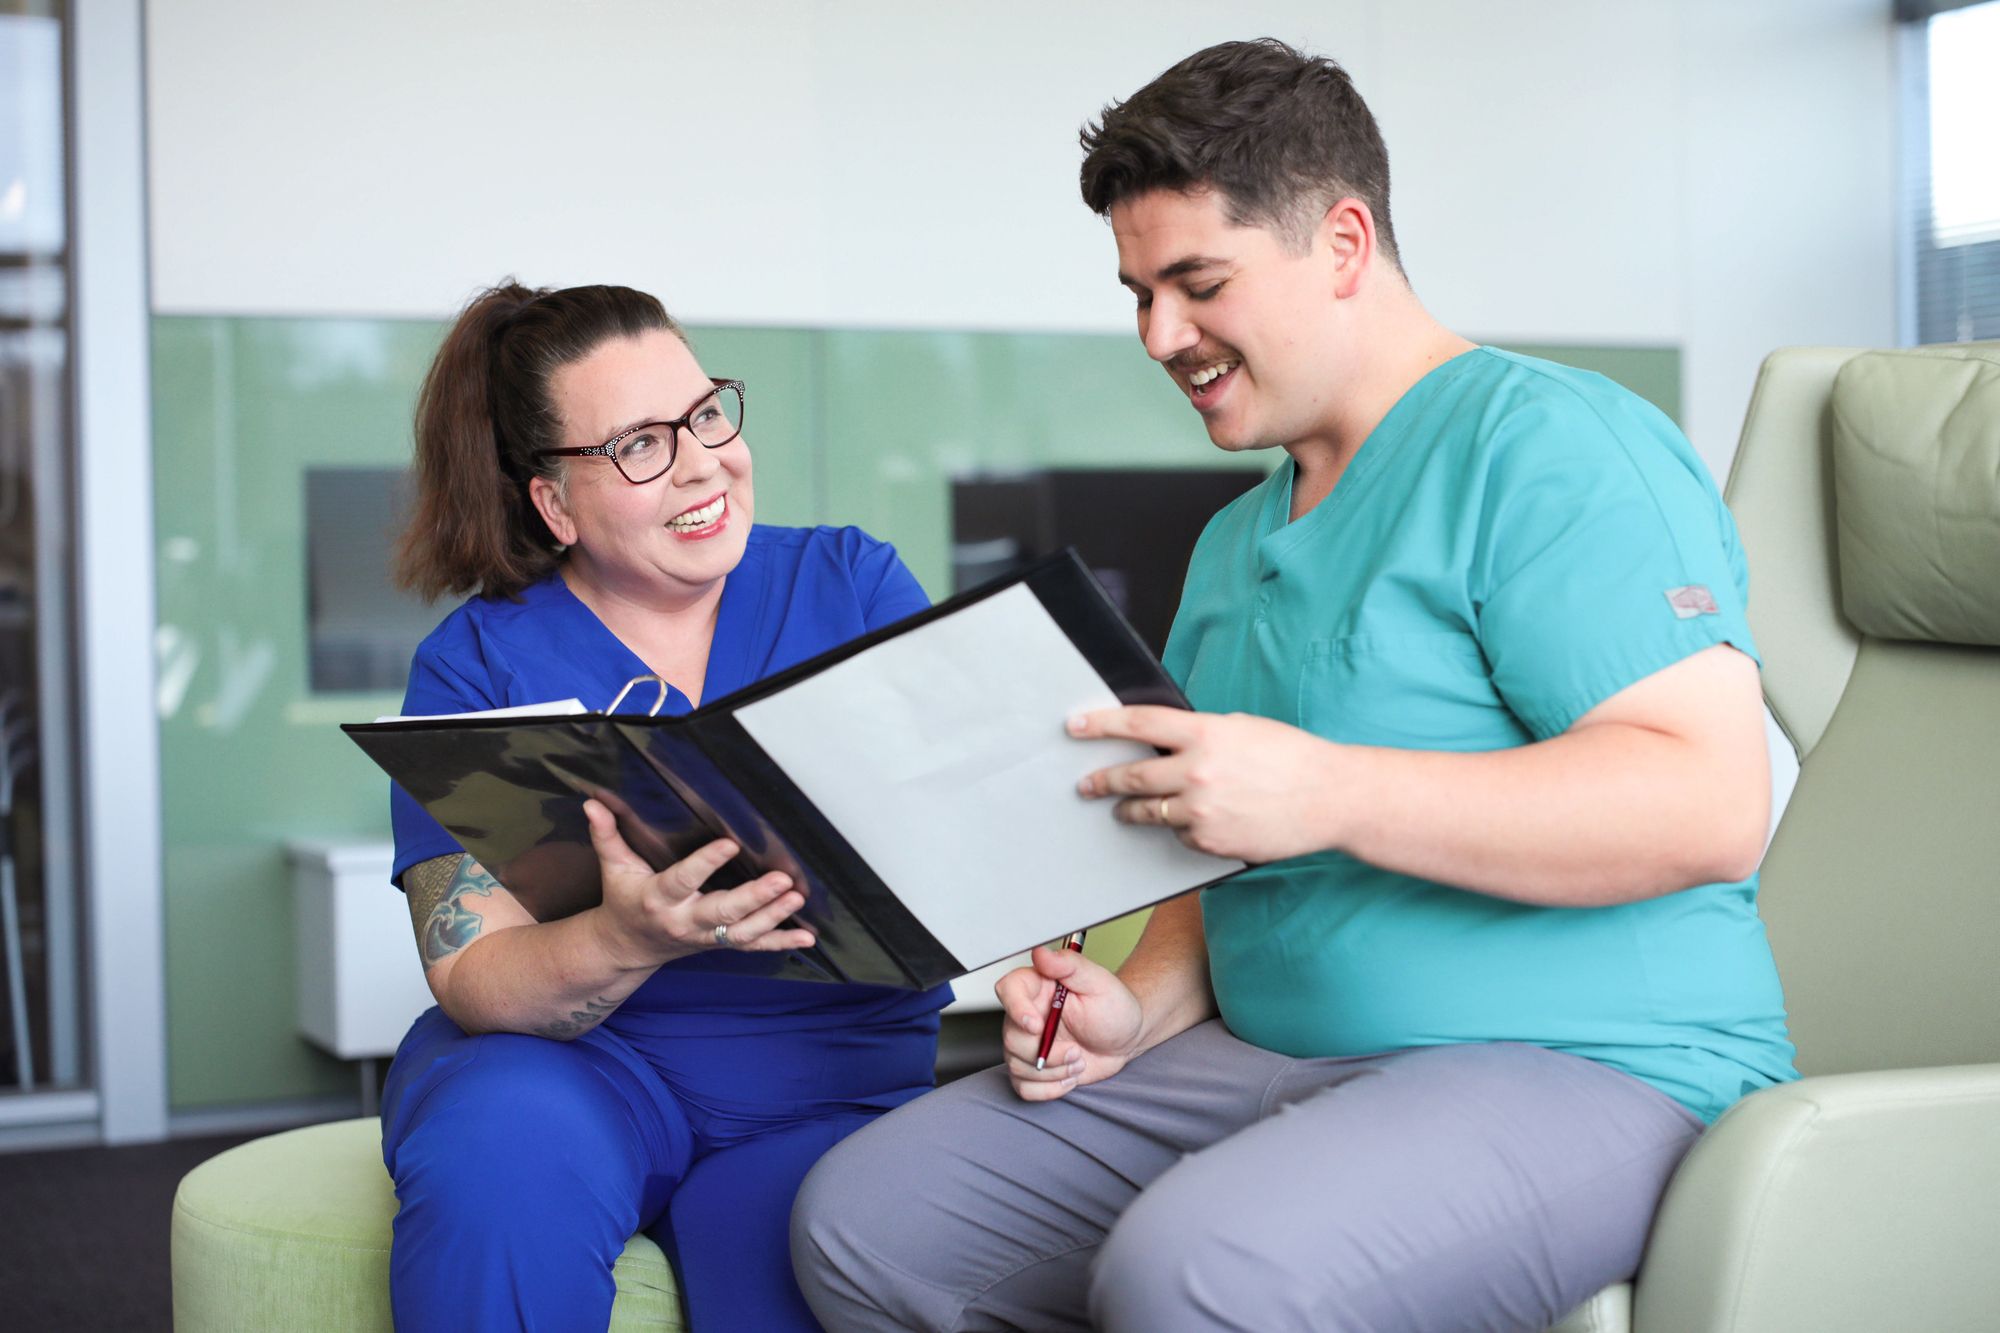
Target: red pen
1074, 943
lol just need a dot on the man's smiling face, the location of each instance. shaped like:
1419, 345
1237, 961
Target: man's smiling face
1237, 317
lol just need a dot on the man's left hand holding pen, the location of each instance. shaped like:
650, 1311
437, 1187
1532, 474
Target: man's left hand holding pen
1094, 1029
1109, 1017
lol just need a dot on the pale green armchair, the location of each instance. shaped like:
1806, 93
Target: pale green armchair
1866, 1197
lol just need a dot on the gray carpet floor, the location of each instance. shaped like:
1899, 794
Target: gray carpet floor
83, 1235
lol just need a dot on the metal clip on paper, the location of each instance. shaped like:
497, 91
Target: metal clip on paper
658, 703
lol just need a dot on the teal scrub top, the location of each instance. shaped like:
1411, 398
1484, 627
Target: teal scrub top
1516, 542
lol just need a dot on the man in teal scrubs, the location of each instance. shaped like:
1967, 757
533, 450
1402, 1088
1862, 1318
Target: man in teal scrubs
1477, 697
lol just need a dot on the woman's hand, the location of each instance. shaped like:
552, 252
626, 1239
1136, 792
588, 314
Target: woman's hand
1100, 1024
651, 917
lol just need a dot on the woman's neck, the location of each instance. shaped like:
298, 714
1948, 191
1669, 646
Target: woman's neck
670, 631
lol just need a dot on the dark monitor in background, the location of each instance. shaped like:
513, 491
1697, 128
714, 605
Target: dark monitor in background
1134, 527
361, 628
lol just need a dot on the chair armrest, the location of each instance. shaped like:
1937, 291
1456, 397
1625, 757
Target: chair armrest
1846, 1202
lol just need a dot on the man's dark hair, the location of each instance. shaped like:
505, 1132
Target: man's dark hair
1281, 135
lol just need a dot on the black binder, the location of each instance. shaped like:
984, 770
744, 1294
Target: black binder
511, 790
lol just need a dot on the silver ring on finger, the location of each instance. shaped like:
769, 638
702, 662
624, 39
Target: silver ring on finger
722, 936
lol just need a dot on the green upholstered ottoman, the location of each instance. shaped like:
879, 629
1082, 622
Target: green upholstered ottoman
291, 1232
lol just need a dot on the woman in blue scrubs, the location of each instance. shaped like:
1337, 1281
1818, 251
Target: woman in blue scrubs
581, 476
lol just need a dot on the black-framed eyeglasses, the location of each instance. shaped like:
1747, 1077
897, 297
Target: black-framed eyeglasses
646, 453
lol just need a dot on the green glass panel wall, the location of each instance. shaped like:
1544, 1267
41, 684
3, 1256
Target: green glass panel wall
248, 756
1654, 373
847, 427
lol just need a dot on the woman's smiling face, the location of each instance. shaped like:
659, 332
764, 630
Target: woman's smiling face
674, 536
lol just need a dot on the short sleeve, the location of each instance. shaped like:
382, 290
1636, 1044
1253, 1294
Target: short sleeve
887, 588
1604, 554
435, 687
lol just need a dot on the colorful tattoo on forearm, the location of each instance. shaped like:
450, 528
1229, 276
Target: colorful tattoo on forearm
449, 925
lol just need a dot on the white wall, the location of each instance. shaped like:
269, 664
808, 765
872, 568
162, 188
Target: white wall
1707, 173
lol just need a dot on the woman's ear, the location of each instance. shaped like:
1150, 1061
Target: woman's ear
547, 498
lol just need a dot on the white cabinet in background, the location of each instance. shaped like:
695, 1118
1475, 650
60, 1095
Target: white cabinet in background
360, 984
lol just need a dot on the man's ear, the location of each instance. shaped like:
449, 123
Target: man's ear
1346, 237
548, 502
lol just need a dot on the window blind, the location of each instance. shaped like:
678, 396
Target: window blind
1955, 181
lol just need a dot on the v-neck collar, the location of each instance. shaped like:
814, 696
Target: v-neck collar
725, 666
1280, 530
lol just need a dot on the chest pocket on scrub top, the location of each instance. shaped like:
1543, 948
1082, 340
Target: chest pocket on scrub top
1428, 691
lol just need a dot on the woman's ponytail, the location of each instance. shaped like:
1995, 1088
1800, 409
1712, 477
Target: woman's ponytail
458, 540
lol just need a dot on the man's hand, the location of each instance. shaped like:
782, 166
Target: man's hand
1100, 1024
1233, 785
1661, 787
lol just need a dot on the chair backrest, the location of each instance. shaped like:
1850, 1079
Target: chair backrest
1881, 889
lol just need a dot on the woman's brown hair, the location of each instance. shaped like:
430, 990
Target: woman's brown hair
482, 413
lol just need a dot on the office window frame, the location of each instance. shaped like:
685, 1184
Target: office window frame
1929, 274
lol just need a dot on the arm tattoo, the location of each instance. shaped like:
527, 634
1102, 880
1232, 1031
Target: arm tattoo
424, 886
438, 889
579, 1021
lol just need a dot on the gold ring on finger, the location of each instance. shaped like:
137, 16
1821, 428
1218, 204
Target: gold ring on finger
1163, 810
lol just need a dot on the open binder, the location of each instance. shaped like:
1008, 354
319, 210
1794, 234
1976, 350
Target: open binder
916, 782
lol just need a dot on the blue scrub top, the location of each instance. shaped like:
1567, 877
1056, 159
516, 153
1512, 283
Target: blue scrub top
1516, 542
796, 593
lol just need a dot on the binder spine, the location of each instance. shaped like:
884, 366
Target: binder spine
1106, 640
831, 860
645, 737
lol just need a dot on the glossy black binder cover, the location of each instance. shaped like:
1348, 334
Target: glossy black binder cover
1078, 605
512, 796
511, 791
829, 858
846, 945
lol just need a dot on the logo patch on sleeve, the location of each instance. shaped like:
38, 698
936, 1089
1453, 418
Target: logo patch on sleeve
1691, 601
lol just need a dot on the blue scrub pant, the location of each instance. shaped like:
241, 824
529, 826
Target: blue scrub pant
523, 1165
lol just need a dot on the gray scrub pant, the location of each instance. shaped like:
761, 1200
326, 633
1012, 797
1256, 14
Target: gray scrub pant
1212, 1184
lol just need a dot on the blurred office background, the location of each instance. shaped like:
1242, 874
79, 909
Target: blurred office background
231, 232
